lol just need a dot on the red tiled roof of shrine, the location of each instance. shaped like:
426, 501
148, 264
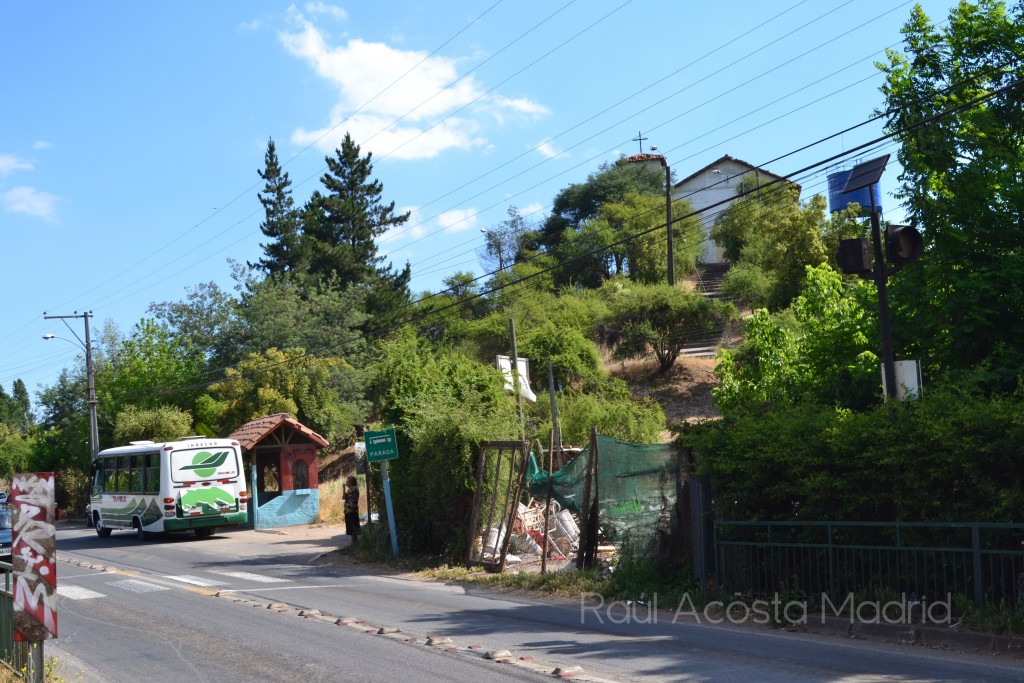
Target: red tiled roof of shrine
251, 433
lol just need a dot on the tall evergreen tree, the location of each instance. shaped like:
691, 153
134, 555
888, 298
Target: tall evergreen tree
341, 226
281, 222
22, 404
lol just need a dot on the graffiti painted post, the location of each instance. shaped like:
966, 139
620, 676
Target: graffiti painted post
33, 558
381, 447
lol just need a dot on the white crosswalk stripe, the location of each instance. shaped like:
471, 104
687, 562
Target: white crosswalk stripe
195, 580
77, 593
138, 586
258, 578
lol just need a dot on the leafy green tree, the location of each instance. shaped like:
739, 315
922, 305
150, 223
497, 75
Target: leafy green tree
580, 202
281, 221
285, 381
324, 318
646, 256
612, 409
341, 228
821, 350
570, 233
775, 237
165, 423
443, 406
63, 441
16, 408
15, 451
503, 241
575, 361
961, 304
660, 319
206, 321
150, 368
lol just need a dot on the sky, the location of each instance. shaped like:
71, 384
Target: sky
132, 133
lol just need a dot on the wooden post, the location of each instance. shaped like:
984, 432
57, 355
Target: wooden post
585, 510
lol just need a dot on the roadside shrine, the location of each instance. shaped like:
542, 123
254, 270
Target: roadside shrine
284, 479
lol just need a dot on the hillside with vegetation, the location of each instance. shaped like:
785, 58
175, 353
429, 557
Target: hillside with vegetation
323, 328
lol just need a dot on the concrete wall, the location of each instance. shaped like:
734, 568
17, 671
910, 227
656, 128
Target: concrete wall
288, 508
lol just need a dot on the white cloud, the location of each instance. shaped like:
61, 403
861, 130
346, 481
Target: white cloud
415, 119
42, 144
532, 212
9, 163
521, 105
548, 150
330, 10
253, 25
29, 200
457, 220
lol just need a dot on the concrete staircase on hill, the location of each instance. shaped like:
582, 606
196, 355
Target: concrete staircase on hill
708, 281
711, 277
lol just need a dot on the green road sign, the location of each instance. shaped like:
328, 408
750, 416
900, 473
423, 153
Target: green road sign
381, 445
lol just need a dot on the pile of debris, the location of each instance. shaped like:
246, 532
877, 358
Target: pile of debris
528, 532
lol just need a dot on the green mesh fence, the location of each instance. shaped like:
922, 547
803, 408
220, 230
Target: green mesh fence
636, 487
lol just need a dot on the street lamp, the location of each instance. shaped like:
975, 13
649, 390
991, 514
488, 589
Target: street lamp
94, 432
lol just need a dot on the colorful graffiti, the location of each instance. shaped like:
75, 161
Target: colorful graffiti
34, 557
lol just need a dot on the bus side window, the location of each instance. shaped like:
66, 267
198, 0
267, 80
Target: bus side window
110, 476
98, 473
135, 480
152, 464
122, 473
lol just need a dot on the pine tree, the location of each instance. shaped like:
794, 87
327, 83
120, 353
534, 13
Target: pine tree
23, 405
340, 228
280, 224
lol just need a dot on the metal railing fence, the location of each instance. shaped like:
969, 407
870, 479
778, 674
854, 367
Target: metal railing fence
982, 562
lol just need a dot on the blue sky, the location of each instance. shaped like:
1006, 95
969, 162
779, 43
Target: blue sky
131, 133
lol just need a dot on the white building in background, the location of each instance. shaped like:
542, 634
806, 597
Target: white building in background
715, 185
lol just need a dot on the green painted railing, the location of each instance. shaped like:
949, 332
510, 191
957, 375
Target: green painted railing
13, 654
982, 562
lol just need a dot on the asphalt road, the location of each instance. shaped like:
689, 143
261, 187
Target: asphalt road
243, 606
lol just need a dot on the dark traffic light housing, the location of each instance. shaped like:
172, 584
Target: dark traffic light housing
902, 244
854, 257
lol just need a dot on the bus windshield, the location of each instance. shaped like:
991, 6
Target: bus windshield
196, 464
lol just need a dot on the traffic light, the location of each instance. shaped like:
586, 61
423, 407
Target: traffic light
854, 257
902, 244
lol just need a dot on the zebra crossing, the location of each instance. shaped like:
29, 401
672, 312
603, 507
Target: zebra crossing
224, 578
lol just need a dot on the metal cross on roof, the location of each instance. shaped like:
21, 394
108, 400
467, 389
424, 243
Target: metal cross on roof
640, 138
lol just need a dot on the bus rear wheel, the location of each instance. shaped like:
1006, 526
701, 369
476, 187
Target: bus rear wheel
139, 533
101, 530
205, 531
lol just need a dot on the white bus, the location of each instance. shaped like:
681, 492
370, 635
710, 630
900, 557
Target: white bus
195, 483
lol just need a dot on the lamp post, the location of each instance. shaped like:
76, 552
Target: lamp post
94, 432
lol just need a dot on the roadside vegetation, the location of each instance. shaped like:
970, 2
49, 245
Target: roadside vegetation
323, 328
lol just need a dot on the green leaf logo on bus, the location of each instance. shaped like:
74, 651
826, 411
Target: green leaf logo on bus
205, 463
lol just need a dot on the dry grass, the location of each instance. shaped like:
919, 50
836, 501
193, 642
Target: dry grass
332, 506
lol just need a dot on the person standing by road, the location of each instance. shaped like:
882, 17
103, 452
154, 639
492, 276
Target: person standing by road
351, 498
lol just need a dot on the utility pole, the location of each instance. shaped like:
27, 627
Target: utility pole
94, 432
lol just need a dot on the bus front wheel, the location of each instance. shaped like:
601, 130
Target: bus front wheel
101, 530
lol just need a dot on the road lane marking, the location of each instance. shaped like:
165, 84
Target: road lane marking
77, 593
138, 586
195, 580
258, 578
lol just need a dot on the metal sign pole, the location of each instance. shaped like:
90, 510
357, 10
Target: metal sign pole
387, 504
